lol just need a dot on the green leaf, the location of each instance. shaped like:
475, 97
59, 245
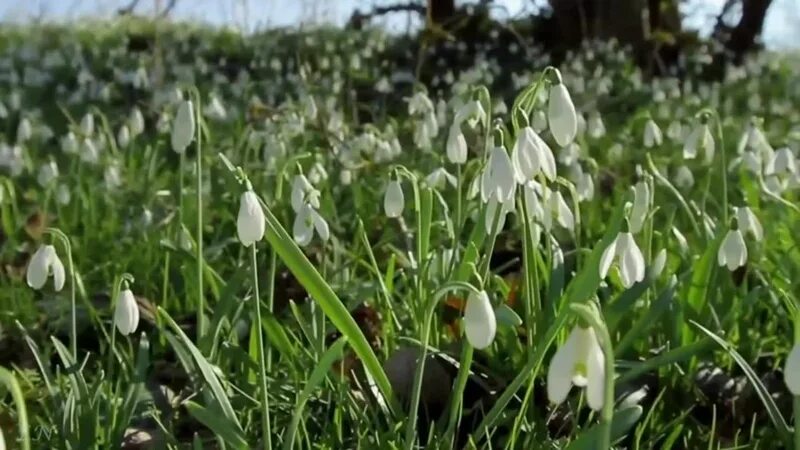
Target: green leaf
219, 424
623, 421
10, 381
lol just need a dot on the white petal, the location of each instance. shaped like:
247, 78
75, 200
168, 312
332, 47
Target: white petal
565, 217
562, 368
607, 258
456, 145
641, 201
38, 268
59, 276
480, 324
303, 228
126, 315
791, 374
183, 127
631, 262
320, 225
595, 375
393, 200
250, 224
561, 115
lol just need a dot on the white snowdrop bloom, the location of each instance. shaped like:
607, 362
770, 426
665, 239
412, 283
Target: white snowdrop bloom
749, 223
774, 184
497, 179
792, 370
136, 122
303, 192
250, 224
480, 324
584, 187
24, 130
555, 207
63, 195
472, 112
675, 131
214, 109
112, 177
659, 263
393, 200
123, 136
781, 163
126, 313
183, 127
419, 103
440, 178
306, 222
87, 124
456, 145
570, 154
89, 152
491, 210
539, 121
580, 361
561, 115
652, 134
595, 126
699, 139
641, 205
615, 152
317, 173
47, 174
43, 263
629, 257
684, 178
581, 125
733, 251
531, 155
750, 160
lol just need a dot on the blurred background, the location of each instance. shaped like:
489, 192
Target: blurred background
740, 23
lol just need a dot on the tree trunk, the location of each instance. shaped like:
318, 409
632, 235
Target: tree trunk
743, 36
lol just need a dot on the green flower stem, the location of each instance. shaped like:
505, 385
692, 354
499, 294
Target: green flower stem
201, 326
74, 319
265, 422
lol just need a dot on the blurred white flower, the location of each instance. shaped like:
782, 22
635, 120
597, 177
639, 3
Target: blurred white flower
48, 173
456, 145
699, 139
89, 152
136, 122
250, 225
43, 263
684, 178
303, 192
214, 109
629, 257
733, 251
183, 127
595, 126
781, 163
305, 222
675, 131
24, 130
480, 324
749, 223
539, 121
641, 205
561, 115
123, 136
63, 196
87, 125
530, 156
652, 134
393, 200
126, 314
497, 179
580, 361
439, 178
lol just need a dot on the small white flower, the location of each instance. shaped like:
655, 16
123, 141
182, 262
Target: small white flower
87, 124
69, 144
126, 314
782, 162
561, 115
532, 155
43, 263
439, 178
675, 131
491, 210
629, 257
748, 222
791, 373
123, 136
652, 134
699, 139
641, 205
555, 207
305, 222
595, 126
250, 225
497, 180
684, 179
659, 262
63, 195
733, 251
183, 127
580, 361
456, 145
136, 122
393, 200
480, 324
472, 112
24, 130
302, 192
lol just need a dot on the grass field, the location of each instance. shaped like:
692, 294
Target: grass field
284, 241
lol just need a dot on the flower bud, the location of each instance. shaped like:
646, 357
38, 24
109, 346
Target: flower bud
126, 315
183, 127
250, 225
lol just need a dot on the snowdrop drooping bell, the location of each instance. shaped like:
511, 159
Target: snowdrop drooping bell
497, 180
652, 134
250, 224
561, 114
629, 257
480, 324
792, 370
183, 127
393, 200
732, 251
580, 361
43, 263
126, 313
456, 145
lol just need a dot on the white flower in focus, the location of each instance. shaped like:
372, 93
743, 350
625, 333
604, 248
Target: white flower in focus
393, 200
497, 179
531, 155
456, 145
183, 127
561, 115
641, 205
629, 257
439, 178
250, 225
652, 134
480, 324
792, 370
580, 361
733, 251
306, 222
555, 207
43, 263
749, 223
491, 210
126, 314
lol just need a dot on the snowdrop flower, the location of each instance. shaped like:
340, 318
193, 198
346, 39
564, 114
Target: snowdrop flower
214, 109
491, 210
123, 136
47, 174
439, 178
393, 200
305, 222
652, 134
183, 127
699, 139
112, 177
539, 121
749, 223
684, 179
472, 112
126, 314
556, 208
561, 114
733, 251
250, 225
629, 257
303, 192
641, 205
43, 263
782, 162
659, 263
480, 324
69, 144
456, 145
584, 186
530, 156
580, 361
419, 103
595, 126
136, 122
24, 130
89, 152
87, 124
675, 131
792, 370
497, 180
63, 196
